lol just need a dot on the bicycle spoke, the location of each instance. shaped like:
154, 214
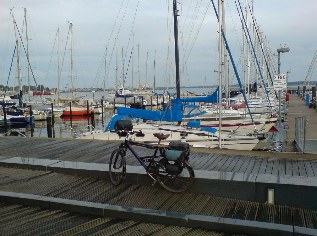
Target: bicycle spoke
178, 182
117, 166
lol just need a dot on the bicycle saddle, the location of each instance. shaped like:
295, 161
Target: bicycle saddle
161, 136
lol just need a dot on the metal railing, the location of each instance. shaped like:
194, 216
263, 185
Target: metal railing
300, 133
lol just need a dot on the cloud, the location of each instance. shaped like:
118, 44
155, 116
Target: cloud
103, 23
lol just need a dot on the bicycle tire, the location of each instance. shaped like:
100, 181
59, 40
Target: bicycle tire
179, 182
117, 166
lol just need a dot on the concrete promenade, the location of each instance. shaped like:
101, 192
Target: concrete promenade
297, 108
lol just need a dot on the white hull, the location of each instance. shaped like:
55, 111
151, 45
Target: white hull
193, 137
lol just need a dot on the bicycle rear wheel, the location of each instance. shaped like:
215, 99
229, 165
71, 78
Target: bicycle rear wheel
179, 182
117, 166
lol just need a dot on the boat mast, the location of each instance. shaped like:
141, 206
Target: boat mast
226, 65
18, 54
27, 50
122, 70
58, 67
18, 65
249, 52
132, 66
139, 65
104, 81
71, 57
116, 85
175, 12
154, 79
147, 58
220, 47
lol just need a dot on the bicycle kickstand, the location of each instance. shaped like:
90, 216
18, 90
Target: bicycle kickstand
154, 180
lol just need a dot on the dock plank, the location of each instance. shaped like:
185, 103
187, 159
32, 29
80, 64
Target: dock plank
256, 167
210, 159
269, 166
217, 158
226, 164
99, 152
263, 166
295, 168
309, 169
302, 168
243, 167
204, 160
249, 168
289, 167
233, 164
220, 163
282, 167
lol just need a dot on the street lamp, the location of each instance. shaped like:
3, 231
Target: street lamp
279, 51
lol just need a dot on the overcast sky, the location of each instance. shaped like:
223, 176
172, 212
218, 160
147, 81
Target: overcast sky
120, 25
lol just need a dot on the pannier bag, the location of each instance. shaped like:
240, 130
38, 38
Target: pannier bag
176, 149
123, 125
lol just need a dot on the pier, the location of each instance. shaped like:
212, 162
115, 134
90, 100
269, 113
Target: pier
230, 189
64, 184
298, 108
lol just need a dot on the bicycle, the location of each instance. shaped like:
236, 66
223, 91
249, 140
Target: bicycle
168, 165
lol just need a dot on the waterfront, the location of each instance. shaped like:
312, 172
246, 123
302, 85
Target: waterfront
63, 127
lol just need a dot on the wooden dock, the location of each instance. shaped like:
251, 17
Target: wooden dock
50, 181
297, 108
229, 194
96, 151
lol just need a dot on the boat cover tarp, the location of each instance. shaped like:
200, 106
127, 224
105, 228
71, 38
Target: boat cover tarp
213, 98
172, 115
209, 129
192, 111
113, 121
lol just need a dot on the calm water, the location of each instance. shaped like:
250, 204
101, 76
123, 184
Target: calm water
64, 128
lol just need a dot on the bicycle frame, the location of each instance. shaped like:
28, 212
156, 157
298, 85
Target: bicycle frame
128, 144
176, 176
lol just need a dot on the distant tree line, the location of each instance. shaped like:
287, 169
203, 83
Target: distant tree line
25, 88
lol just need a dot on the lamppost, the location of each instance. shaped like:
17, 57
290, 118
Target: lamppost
279, 51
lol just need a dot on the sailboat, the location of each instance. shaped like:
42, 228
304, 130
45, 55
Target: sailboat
73, 110
17, 115
162, 121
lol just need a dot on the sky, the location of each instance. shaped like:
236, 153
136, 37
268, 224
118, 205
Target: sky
134, 39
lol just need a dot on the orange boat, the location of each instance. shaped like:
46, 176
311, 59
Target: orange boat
76, 111
75, 118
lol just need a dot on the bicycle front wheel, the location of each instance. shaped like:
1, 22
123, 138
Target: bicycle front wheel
177, 183
117, 166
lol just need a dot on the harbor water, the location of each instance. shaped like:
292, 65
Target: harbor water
66, 128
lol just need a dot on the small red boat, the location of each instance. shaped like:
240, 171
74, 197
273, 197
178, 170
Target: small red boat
76, 111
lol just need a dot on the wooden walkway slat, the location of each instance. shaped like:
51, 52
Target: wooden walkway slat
310, 171
97, 151
263, 166
243, 167
233, 164
289, 167
210, 159
216, 158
